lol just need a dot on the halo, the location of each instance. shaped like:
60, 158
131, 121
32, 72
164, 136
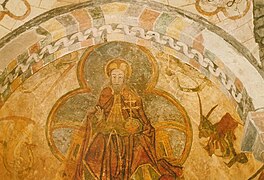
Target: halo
118, 63
94, 68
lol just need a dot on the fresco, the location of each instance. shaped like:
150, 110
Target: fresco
221, 136
117, 83
131, 90
232, 9
120, 111
7, 8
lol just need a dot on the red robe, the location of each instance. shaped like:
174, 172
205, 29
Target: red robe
117, 156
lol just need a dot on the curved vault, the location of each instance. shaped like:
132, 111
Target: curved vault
179, 33
171, 35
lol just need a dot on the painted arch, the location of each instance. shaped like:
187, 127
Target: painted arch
177, 40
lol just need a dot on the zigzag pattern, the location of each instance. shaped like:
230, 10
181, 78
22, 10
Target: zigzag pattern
130, 31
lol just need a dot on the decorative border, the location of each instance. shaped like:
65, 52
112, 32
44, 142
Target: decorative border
159, 7
139, 32
69, 32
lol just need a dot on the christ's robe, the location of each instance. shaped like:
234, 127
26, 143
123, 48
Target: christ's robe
124, 139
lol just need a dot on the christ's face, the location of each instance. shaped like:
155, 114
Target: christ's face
117, 77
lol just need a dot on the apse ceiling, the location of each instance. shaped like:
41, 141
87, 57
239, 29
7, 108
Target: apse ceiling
130, 90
